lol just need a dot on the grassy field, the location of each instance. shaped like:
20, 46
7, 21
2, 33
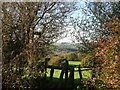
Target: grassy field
74, 63
85, 74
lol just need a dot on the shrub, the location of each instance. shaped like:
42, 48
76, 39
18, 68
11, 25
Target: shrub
88, 60
109, 51
72, 56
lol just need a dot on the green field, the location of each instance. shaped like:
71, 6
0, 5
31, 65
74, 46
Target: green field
85, 74
74, 63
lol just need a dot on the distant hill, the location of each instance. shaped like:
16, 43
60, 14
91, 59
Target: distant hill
64, 47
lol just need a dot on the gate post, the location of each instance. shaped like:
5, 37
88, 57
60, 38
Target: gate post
71, 77
80, 73
51, 72
62, 73
46, 63
66, 70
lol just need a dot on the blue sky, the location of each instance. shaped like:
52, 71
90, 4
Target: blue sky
74, 15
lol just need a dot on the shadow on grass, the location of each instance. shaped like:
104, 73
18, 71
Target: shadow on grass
57, 84
53, 84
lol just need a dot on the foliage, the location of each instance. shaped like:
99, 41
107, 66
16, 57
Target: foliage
88, 60
101, 25
54, 60
81, 56
19, 77
59, 58
90, 24
28, 30
86, 48
108, 55
72, 56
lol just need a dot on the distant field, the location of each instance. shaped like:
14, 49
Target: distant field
68, 47
85, 74
74, 63
57, 44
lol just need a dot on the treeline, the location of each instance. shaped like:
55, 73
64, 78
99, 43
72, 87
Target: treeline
59, 58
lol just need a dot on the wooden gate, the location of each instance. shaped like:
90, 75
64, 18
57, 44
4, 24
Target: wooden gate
65, 69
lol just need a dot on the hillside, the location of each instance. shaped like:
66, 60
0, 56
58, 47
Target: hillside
64, 47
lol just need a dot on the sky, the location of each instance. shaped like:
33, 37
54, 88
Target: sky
77, 13
67, 39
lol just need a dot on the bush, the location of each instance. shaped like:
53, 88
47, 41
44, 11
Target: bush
20, 75
88, 60
72, 56
109, 51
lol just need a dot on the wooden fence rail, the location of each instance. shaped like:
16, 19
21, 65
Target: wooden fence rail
65, 69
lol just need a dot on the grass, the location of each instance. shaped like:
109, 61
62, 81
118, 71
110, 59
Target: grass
56, 73
85, 74
74, 62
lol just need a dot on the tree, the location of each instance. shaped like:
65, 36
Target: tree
90, 27
85, 30
108, 42
108, 55
30, 23
28, 30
